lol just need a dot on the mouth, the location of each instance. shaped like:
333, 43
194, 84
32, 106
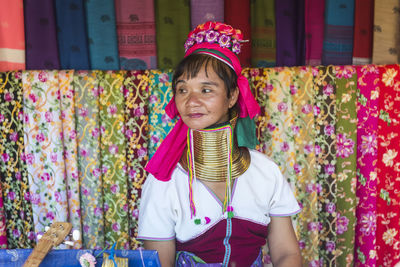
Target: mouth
195, 115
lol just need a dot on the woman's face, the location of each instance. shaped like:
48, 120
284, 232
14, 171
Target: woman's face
202, 101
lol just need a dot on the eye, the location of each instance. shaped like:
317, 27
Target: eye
206, 90
181, 90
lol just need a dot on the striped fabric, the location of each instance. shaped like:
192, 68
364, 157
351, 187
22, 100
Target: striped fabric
338, 36
136, 29
12, 39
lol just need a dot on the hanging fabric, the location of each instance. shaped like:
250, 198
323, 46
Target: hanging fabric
237, 14
87, 90
136, 134
363, 27
113, 158
346, 161
44, 148
314, 31
12, 41
172, 28
325, 150
303, 93
13, 169
71, 35
338, 33
40, 35
290, 35
202, 11
67, 101
388, 198
367, 157
263, 34
102, 34
136, 29
385, 47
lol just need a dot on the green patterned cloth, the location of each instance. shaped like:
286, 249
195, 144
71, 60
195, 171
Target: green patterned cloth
172, 28
13, 170
263, 37
346, 165
113, 158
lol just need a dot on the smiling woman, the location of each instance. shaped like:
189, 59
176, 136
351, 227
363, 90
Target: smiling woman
204, 100
207, 199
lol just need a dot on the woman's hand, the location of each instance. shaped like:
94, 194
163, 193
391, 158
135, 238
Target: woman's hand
282, 243
166, 251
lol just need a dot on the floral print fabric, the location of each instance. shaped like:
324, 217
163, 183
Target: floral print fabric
388, 202
136, 90
15, 195
44, 148
87, 90
346, 164
367, 155
73, 146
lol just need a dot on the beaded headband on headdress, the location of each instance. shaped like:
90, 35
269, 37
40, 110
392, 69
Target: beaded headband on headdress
222, 42
216, 33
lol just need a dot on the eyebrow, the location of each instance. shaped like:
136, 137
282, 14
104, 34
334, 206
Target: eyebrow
204, 83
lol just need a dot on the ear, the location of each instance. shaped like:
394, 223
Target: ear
233, 97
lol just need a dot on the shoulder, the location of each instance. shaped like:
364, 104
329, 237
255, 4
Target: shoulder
263, 163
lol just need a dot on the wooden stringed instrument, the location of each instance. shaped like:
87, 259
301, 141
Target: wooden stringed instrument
51, 238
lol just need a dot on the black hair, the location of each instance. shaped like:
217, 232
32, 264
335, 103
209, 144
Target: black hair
191, 65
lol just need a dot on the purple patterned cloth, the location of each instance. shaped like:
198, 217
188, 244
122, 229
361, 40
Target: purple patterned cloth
187, 259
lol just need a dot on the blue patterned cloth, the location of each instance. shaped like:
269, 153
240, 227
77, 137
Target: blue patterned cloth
71, 34
70, 257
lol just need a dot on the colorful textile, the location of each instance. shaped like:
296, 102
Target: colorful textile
113, 159
363, 26
206, 10
71, 35
263, 37
388, 201
290, 35
367, 157
12, 41
314, 31
102, 34
172, 27
237, 14
67, 104
13, 171
325, 150
159, 96
385, 47
136, 29
3, 229
338, 36
44, 148
303, 92
87, 90
346, 163
40, 35
136, 134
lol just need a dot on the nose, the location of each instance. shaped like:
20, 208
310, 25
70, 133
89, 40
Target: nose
193, 99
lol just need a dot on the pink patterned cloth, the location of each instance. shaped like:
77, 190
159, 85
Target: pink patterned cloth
367, 134
314, 28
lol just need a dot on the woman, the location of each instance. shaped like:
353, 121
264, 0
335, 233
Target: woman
209, 197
